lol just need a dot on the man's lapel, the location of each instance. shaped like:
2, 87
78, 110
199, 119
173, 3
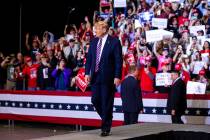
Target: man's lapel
95, 43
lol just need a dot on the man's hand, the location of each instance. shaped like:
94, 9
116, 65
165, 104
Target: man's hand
141, 112
116, 81
87, 79
173, 112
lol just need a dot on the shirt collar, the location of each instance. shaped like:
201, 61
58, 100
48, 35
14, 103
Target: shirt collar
176, 79
104, 37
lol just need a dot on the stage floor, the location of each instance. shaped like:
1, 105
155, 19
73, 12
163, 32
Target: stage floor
29, 130
131, 131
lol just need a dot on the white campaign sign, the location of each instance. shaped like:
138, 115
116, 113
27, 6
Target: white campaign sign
196, 88
163, 79
157, 35
120, 3
160, 23
137, 24
195, 29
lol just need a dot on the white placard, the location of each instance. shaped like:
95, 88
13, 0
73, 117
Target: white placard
120, 3
163, 79
195, 29
137, 23
157, 35
160, 23
205, 57
198, 65
45, 73
203, 40
196, 88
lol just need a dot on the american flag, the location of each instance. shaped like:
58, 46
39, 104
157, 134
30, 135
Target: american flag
55, 107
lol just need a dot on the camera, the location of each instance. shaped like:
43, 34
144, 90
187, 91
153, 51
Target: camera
145, 66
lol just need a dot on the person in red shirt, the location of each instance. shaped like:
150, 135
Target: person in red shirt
184, 74
124, 69
206, 47
183, 18
30, 72
146, 77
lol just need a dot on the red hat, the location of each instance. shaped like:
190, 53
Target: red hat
178, 67
202, 72
28, 59
185, 31
164, 63
167, 4
132, 47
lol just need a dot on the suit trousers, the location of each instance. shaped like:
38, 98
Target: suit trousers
177, 119
103, 100
130, 117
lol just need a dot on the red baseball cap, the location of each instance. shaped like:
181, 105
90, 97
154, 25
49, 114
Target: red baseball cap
178, 67
28, 59
202, 72
164, 63
167, 4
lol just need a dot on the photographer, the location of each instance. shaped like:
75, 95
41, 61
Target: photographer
8, 64
2, 71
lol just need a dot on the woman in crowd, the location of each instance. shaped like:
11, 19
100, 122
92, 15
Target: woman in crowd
62, 76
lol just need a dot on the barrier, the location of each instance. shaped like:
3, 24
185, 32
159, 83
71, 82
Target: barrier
76, 108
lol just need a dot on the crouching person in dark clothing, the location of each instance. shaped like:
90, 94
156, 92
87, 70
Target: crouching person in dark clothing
131, 97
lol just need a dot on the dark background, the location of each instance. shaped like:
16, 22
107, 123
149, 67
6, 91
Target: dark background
39, 16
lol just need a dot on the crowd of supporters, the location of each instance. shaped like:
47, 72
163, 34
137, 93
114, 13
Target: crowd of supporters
53, 64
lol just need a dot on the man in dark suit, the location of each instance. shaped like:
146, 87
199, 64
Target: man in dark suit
131, 97
103, 71
177, 103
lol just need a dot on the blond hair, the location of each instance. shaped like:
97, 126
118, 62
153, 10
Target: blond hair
102, 24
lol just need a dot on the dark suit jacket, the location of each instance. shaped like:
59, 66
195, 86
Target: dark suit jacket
110, 65
131, 95
177, 97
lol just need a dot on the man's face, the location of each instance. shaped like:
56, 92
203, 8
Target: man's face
44, 60
49, 52
194, 40
100, 31
174, 76
165, 67
71, 44
29, 63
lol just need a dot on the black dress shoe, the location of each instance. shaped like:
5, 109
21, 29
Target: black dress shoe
104, 133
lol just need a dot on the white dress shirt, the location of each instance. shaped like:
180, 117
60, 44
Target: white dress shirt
104, 38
